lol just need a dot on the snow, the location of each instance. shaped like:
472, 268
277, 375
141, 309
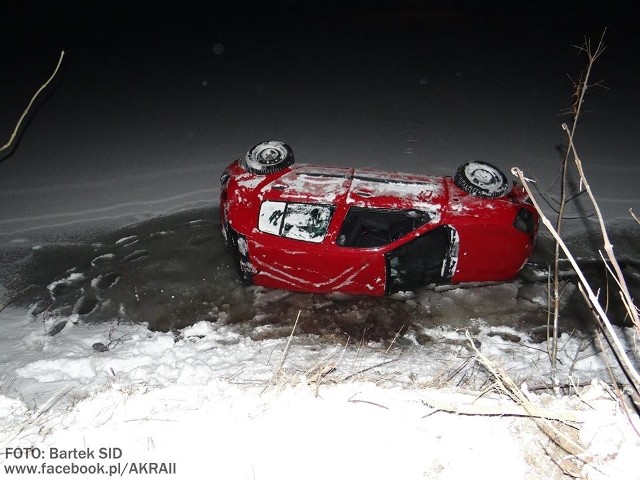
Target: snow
142, 124
423, 195
208, 398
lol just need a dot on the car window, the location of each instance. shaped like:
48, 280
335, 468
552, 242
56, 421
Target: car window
270, 219
301, 221
369, 227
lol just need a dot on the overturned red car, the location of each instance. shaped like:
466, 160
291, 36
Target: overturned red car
368, 232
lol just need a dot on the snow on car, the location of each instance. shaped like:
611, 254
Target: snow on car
328, 229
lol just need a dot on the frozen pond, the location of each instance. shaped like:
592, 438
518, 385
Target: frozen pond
173, 271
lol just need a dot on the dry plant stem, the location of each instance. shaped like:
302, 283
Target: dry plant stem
626, 300
618, 392
608, 247
36, 414
593, 298
352, 399
542, 418
286, 348
581, 88
549, 313
13, 297
33, 99
514, 410
53, 399
366, 369
395, 337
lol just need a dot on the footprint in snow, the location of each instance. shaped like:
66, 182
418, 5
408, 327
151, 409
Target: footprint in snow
66, 285
102, 259
136, 255
126, 241
85, 304
104, 281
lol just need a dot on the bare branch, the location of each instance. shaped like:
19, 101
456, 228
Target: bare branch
31, 102
625, 361
580, 90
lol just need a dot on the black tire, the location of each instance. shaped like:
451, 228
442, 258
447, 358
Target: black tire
268, 157
481, 179
233, 241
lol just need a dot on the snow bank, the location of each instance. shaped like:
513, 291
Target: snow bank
208, 401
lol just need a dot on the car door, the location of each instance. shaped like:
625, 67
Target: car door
289, 250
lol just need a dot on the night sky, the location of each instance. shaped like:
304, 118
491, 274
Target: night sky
123, 33
129, 36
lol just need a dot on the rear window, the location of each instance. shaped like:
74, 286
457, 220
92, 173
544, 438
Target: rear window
301, 221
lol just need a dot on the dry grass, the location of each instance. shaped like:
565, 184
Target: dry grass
592, 297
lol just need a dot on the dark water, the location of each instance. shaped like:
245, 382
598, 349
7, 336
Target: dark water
173, 271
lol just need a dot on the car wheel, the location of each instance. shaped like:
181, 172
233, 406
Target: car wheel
481, 179
237, 246
268, 157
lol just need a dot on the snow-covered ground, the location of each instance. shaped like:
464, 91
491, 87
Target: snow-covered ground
209, 400
151, 106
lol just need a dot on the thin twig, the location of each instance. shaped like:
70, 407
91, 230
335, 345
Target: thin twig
53, 399
286, 348
14, 296
33, 99
355, 400
394, 340
506, 384
608, 246
370, 368
580, 90
593, 299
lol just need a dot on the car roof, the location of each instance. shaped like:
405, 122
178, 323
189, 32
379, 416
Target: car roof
361, 187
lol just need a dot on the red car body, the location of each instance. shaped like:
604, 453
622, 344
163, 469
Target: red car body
368, 232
